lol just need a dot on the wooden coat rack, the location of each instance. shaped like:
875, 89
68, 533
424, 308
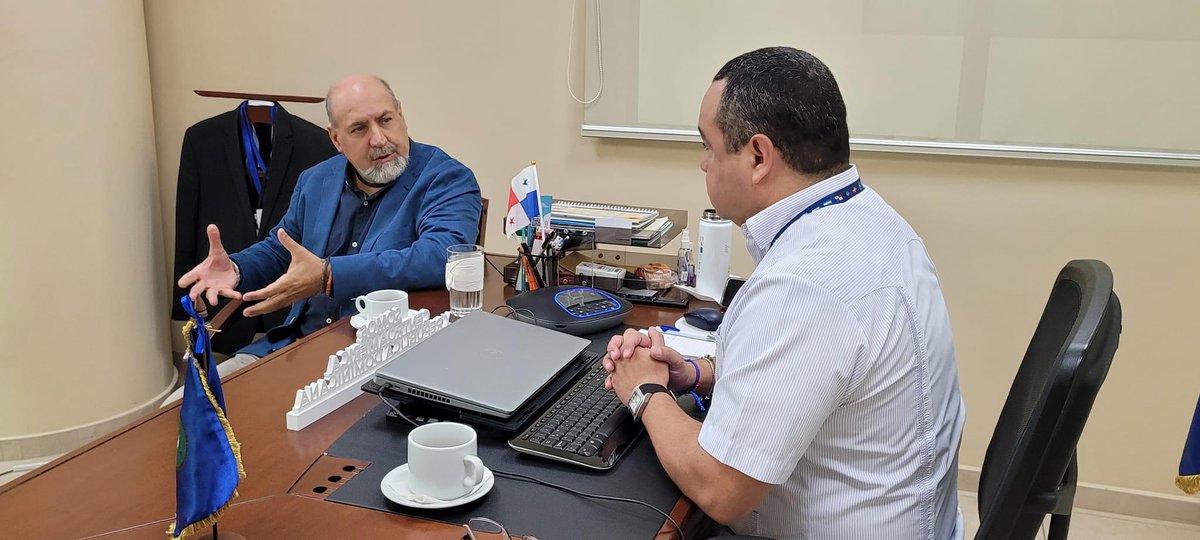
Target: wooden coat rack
259, 114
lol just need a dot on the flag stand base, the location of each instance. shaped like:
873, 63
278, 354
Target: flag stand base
223, 535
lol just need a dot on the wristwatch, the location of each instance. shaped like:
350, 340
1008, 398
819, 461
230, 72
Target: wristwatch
641, 394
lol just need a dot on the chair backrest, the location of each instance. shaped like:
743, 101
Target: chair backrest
1035, 438
482, 222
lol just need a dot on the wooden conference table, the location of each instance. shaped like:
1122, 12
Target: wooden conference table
123, 484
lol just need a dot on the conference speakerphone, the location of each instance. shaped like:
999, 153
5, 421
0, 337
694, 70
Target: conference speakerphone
571, 309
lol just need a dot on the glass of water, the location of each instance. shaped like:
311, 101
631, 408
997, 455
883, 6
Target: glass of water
464, 278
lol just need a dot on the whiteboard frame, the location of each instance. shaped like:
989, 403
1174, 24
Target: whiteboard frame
950, 148
606, 127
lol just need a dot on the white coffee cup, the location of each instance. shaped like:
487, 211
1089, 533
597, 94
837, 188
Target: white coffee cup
442, 461
376, 303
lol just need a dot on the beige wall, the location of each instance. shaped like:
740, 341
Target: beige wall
486, 80
81, 278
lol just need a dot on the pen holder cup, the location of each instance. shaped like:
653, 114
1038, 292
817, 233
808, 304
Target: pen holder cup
546, 266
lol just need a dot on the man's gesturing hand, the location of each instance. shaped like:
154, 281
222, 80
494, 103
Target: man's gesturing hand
302, 280
214, 275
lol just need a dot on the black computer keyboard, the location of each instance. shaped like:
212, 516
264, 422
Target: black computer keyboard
587, 426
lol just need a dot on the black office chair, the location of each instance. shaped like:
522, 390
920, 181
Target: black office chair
1030, 469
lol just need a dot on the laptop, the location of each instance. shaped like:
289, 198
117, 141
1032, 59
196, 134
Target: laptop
482, 363
516, 377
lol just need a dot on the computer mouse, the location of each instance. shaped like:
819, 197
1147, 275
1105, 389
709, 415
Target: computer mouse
704, 318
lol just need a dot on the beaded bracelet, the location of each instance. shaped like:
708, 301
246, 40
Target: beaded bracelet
711, 365
692, 390
697, 366
328, 279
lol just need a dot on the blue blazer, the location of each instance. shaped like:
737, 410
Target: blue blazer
434, 204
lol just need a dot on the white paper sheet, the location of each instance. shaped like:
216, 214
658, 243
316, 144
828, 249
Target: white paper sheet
688, 346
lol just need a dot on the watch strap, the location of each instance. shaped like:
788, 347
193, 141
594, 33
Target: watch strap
646, 389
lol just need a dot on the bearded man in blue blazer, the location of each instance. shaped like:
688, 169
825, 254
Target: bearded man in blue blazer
378, 216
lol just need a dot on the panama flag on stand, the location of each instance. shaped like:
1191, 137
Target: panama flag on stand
523, 201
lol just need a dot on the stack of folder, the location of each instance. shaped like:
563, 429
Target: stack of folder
651, 233
612, 224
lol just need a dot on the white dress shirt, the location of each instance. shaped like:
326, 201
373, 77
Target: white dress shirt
836, 377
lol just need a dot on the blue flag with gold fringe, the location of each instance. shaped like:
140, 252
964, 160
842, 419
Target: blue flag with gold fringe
1189, 464
208, 462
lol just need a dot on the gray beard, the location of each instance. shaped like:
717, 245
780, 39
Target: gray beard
384, 173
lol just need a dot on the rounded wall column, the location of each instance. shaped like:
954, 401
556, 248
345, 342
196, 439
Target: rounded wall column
83, 308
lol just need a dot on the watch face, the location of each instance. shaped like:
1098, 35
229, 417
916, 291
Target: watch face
635, 402
639, 397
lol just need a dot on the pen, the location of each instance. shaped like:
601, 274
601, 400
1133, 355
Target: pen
664, 328
533, 281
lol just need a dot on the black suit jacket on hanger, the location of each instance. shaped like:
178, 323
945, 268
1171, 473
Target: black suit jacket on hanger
213, 189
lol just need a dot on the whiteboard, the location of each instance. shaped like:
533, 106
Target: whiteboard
1095, 80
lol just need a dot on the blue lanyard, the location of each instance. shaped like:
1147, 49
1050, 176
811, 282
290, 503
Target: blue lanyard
254, 161
838, 197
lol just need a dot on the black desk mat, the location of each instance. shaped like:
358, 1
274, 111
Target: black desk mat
523, 507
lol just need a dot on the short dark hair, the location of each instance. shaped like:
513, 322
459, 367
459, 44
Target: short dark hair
791, 97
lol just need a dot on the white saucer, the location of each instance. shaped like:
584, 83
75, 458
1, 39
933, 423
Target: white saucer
395, 488
358, 321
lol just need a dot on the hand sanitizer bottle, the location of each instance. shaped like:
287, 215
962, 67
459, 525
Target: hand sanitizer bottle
687, 273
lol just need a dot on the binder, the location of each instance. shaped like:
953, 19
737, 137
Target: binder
652, 232
581, 214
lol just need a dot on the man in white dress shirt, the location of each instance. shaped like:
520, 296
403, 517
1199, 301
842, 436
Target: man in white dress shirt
835, 410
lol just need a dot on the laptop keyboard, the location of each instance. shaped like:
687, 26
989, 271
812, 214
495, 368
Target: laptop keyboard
587, 426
